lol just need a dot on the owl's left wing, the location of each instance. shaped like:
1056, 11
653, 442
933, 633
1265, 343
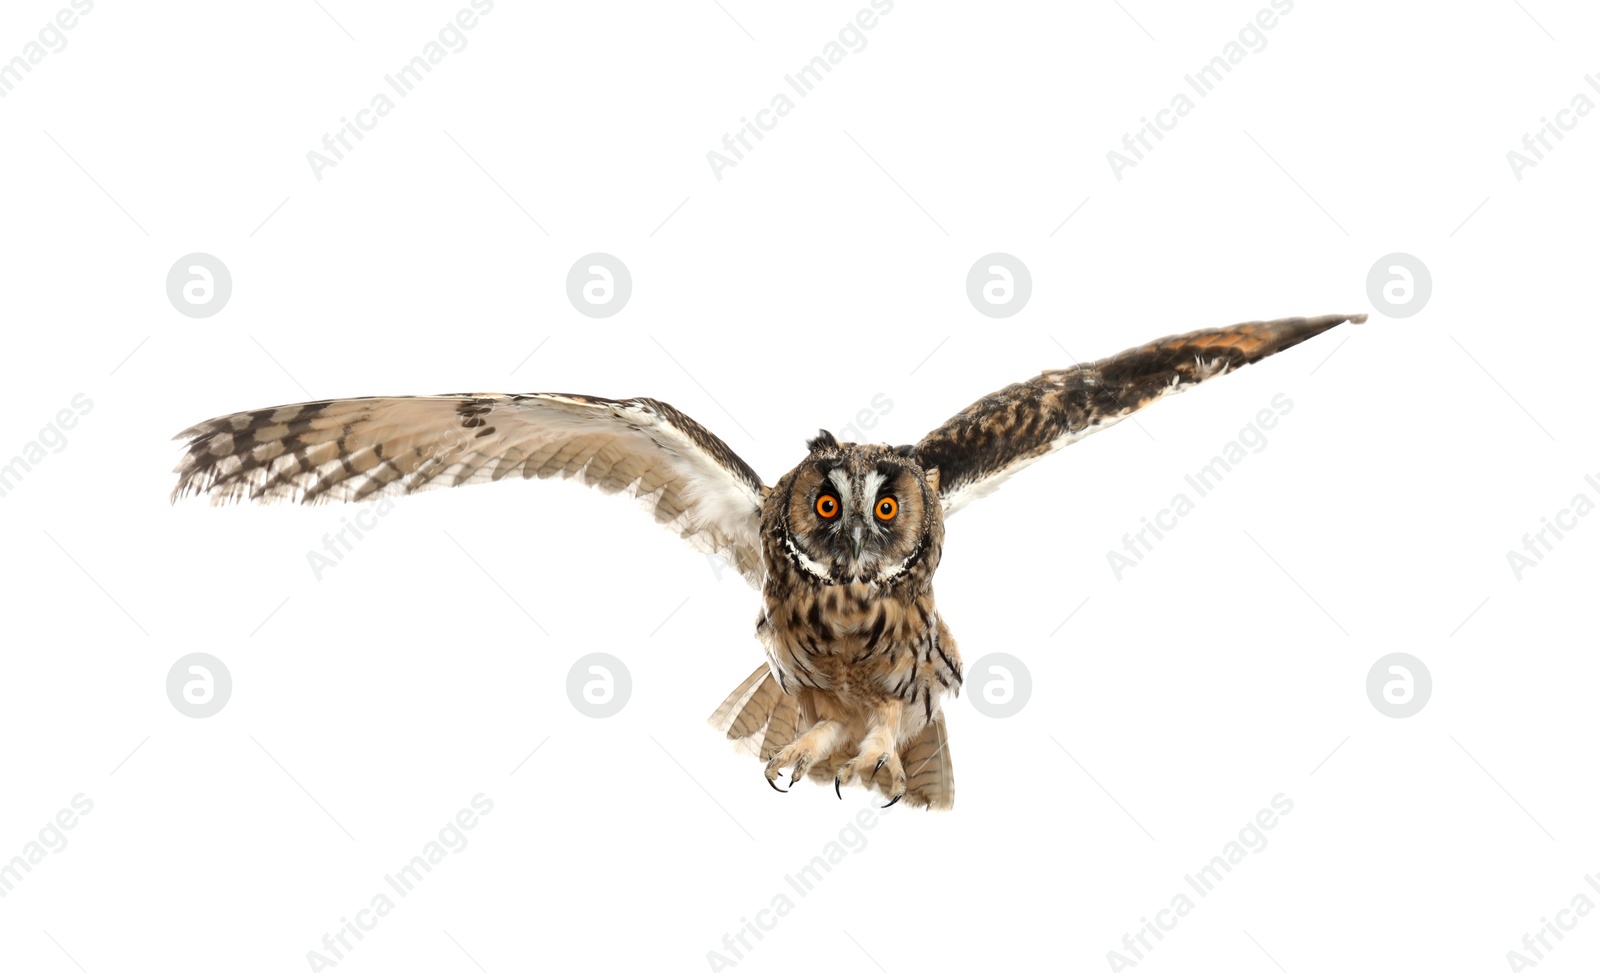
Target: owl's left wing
1002, 433
361, 449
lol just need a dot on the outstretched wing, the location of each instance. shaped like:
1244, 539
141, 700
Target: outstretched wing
1002, 433
361, 449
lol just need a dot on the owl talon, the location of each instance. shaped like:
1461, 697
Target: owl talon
812, 750
798, 760
836, 787
774, 770
802, 763
893, 802
857, 772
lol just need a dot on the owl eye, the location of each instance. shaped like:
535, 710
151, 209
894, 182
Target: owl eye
887, 508
827, 506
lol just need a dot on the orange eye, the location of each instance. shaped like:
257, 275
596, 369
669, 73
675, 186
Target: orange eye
827, 506
887, 508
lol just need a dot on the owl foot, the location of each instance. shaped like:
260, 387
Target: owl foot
798, 759
867, 768
817, 743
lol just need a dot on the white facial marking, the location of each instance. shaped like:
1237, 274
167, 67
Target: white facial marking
811, 567
841, 479
872, 482
893, 571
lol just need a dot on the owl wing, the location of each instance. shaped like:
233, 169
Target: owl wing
1001, 433
361, 449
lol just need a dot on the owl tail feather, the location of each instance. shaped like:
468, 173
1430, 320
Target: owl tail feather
930, 777
759, 717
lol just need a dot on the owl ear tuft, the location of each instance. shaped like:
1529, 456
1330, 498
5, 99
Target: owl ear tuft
823, 440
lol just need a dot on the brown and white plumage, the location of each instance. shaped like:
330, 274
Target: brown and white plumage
761, 719
999, 434
843, 547
366, 448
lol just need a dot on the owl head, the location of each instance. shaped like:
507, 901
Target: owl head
854, 512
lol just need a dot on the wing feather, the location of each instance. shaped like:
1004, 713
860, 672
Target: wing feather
998, 435
366, 448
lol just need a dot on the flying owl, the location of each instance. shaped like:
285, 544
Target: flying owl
843, 547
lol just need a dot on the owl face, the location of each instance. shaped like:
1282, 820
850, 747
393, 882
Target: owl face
858, 513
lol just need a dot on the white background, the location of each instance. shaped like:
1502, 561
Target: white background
826, 268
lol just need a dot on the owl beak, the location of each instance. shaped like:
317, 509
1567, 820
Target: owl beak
855, 541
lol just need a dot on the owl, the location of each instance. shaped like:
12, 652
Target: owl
843, 548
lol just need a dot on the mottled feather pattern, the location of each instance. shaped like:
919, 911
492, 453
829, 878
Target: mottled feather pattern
364, 448
1002, 433
760, 719
858, 645
843, 548
930, 778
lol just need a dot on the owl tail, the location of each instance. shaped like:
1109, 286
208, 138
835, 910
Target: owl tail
930, 778
761, 719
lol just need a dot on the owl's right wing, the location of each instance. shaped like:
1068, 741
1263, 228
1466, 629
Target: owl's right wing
364, 448
1000, 434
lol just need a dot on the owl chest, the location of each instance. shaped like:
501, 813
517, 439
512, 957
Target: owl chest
849, 643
